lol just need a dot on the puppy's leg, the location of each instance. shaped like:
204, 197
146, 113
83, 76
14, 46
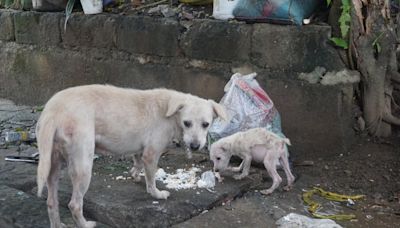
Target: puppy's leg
236, 169
52, 188
284, 160
80, 162
137, 167
270, 165
150, 159
246, 167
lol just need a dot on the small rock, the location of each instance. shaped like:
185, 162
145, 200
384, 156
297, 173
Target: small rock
305, 163
188, 16
387, 177
168, 12
326, 167
347, 172
119, 178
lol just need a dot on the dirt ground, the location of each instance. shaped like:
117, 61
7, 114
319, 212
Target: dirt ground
371, 168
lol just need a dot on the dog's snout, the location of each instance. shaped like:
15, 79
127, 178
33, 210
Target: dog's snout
194, 146
217, 170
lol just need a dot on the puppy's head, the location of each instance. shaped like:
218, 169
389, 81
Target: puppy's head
194, 116
220, 156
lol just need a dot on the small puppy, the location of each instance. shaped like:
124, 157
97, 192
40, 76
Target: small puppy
77, 121
259, 145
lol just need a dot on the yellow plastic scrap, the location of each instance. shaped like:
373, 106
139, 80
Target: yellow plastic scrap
314, 206
197, 2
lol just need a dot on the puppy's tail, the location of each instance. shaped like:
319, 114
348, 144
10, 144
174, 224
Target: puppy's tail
45, 137
287, 141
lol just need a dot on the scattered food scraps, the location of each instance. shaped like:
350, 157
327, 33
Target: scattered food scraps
186, 178
182, 179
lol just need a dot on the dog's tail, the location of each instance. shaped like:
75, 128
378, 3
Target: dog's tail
45, 135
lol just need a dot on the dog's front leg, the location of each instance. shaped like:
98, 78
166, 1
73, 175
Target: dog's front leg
150, 160
246, 167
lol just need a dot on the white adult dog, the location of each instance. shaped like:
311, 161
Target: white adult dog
77, 121
258, 145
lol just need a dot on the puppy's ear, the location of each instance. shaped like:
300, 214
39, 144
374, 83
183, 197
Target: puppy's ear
219, 110
224, 147
173, 107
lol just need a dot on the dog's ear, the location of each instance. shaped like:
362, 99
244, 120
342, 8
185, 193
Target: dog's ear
173, 107
219, 110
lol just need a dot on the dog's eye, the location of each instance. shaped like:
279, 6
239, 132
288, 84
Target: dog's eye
218, 158
205, 124
187, 123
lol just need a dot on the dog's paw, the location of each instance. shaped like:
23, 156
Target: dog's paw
90, 224
266, 191
135, 173
136, 178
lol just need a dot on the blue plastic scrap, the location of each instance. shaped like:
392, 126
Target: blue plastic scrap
278, 11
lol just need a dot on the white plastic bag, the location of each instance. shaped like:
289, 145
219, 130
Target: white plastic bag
92, 6
207, 180
222, 9
248, 106
294, 220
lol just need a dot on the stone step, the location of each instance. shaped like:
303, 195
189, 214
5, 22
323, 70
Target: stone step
19, 209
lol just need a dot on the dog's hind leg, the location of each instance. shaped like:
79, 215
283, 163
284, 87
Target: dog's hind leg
137, 167
52, 188
150, 159
80, 162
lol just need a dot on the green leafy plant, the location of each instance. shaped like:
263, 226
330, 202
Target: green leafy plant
344, 24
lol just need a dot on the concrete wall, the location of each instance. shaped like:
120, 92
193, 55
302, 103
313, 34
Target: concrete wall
39, 58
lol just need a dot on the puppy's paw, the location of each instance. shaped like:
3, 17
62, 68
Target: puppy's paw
218, 176
287, 187
238, 177
266, 191
90, 224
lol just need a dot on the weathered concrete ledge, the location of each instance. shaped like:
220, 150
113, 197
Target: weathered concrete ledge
113, 202
39, 58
